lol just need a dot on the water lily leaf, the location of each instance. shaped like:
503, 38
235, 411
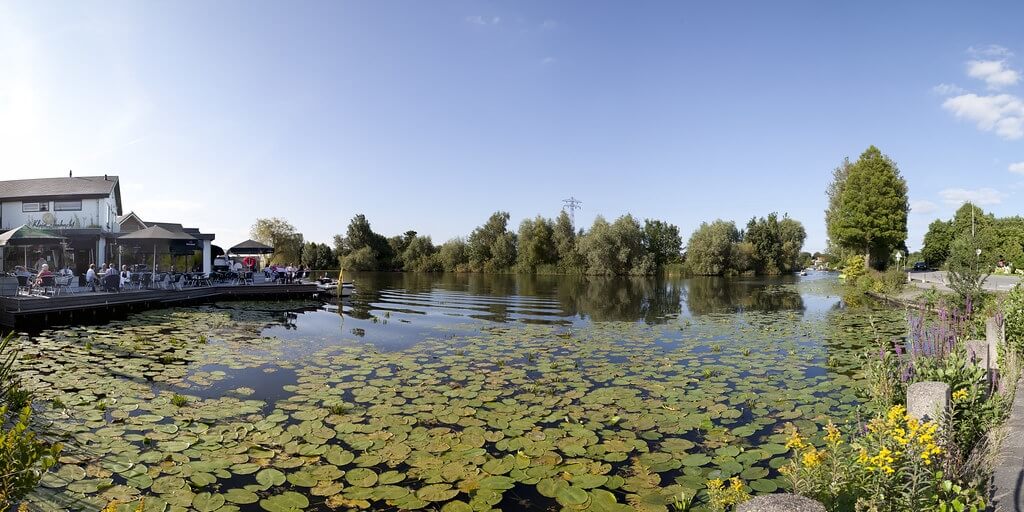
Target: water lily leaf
286, 502
241, 496
206, 502
270, 477
436, 492
361, 477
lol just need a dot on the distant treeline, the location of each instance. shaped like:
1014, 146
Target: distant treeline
551, 246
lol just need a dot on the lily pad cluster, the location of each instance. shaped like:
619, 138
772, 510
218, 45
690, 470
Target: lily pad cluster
606, 416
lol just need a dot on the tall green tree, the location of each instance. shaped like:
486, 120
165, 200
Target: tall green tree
492, 247
454, 255
282, 236
419, 254
872, 214
564, 237
536, 244
616, 248
709, 250
834, 193
936, 243
661, 240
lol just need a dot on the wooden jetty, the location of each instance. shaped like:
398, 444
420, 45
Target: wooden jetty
20, 310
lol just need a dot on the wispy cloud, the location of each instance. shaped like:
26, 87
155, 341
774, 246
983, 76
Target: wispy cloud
483, 20
923, 207
948, 89
995, 73
1017, 167
980, 197
999, 113
547, 60
549, 24
992, 50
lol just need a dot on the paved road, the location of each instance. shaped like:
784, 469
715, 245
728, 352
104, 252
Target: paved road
995, 283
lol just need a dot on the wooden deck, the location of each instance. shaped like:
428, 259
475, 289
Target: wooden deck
15, 311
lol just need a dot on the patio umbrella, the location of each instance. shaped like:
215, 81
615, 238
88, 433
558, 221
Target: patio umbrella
156, 235
249, 247
26, 235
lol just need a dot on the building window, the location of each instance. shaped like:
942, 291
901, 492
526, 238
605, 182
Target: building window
35, 207
67, 206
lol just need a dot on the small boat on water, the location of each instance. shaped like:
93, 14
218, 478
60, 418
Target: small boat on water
330, 288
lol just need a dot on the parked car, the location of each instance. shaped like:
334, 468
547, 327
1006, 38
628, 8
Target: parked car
920, 267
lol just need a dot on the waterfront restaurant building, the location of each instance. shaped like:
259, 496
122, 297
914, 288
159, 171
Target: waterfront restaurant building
203, 241
83, 210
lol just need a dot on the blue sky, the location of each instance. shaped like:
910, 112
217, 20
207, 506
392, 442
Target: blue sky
430, 115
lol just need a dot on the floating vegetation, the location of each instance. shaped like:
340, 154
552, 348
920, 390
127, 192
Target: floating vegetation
193, 409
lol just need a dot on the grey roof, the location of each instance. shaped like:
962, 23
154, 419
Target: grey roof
78, 186
156, 233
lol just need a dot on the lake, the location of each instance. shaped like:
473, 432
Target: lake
451, 392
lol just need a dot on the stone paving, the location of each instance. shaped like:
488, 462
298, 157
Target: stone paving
1008, 478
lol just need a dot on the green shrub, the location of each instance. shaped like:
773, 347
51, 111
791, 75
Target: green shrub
854, 268
23, 459
1013, 318
893, 280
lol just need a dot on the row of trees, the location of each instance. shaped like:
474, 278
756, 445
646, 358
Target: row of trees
541, 245
768, 246
996, 237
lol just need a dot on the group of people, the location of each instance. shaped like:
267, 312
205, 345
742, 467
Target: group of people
103, 277
285, 273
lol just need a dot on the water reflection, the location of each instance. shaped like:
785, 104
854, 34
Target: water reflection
705, 295
397, 310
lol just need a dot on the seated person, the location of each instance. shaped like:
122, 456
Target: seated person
44, 271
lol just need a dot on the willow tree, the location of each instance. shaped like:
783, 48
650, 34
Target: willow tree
871, 217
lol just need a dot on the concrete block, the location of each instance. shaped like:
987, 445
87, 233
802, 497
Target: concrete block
928, 400
977, 350
780, 503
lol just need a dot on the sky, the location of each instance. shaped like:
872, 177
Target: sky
430, 115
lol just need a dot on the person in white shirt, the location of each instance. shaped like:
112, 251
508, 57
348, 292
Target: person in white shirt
126, 276
90, 277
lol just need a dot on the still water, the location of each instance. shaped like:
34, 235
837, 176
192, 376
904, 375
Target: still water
397, 310
450, 392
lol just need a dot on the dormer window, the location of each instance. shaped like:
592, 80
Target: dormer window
36, 207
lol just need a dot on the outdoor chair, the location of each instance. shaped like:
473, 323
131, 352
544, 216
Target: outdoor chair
49, 285
146, 280
111, 283
63, 284
135, 281
174, 282
247, 278
159, 280
23, 285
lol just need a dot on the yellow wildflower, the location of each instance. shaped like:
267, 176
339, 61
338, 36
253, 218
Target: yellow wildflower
715, 483
960, 395
812, 458
736, 484
833, 436
795, 441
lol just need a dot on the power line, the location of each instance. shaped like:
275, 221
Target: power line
572, 204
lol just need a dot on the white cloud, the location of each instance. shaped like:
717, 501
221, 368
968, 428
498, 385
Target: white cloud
981, 197
483, 20
923, 207
1001, 113
549, 24
1017, 167
547, 60
948, 89
995, 73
